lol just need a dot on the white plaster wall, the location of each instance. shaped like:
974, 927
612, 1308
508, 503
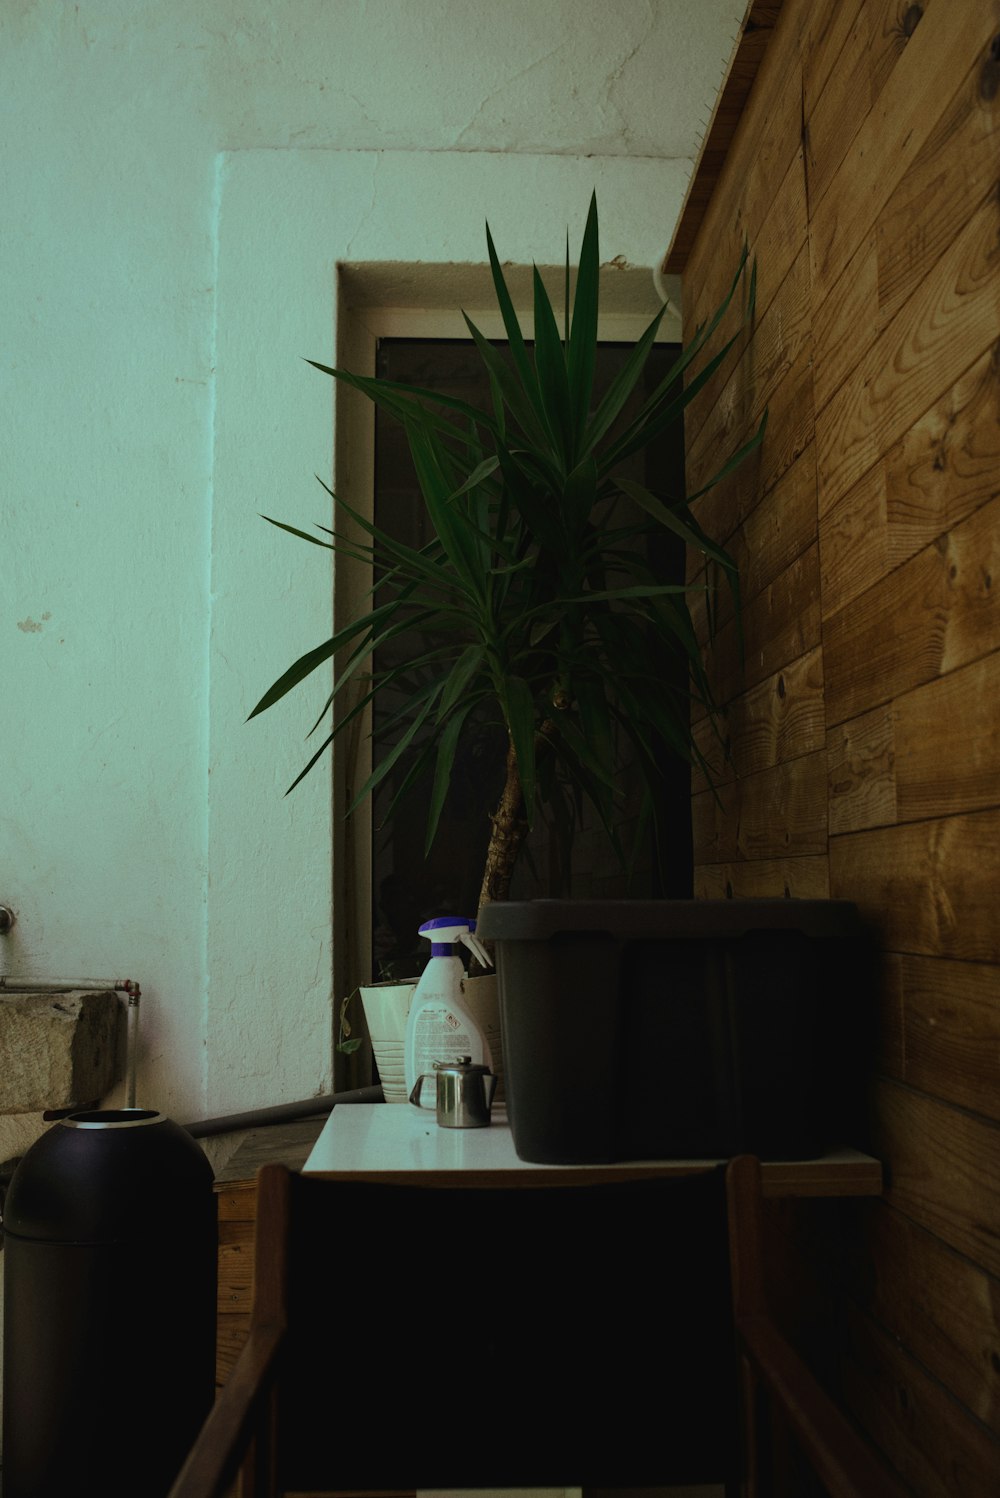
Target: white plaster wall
179, 181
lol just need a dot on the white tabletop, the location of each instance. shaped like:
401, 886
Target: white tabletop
398, 1138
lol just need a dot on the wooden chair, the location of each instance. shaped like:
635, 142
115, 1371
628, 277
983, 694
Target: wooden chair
823, 1441
422, 1335
413, 1335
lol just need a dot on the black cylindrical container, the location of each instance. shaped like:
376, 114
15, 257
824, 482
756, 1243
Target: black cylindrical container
109, 1307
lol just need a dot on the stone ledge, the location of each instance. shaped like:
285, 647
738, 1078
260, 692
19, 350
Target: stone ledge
60, 1050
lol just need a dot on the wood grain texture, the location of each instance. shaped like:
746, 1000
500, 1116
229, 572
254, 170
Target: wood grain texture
904, 761
781, 624
854, 541
845, 322
945, 1170
764, 878
948, 464
951, 176
867, 537
950, 321
779, 812
827, 26
891, 24
936, 613
730, 405
951, 1031
838, 111
876, 1255
952, 1326
775, 534
947, 743
894, 131
938, 1448
861, 765
780, 719
930, 887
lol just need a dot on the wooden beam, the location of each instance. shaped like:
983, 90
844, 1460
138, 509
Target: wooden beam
755, 33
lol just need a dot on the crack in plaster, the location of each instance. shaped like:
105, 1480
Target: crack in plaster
366, 213
500, 88
615, 77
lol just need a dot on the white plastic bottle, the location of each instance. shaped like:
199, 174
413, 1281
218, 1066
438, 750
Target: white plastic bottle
440, 1024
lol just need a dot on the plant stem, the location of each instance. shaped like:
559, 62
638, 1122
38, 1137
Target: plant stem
509, 832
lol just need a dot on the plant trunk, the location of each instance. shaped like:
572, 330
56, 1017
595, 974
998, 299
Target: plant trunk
509, 832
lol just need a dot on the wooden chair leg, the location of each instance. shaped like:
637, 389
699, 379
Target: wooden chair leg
748, 1417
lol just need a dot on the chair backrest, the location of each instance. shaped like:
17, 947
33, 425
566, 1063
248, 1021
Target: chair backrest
479, 1336
502, 1336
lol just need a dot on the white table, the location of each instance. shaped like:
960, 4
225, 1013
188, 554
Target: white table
396, 1139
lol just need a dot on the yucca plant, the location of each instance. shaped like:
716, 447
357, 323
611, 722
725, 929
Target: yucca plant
534, 605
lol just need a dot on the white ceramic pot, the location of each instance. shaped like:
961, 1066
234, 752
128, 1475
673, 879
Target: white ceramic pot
386, 1008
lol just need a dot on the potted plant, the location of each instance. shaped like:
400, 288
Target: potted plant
535, 604
540, 606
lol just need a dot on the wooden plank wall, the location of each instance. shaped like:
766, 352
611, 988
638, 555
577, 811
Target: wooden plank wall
864, 723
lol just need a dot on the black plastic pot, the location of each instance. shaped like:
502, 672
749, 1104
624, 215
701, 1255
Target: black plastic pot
679, 1029
110, 1249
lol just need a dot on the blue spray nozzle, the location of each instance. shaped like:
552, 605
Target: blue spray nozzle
445, 932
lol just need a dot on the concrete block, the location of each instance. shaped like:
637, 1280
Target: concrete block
18, 1132
57, 1050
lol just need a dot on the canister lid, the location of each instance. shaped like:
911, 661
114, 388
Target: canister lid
107, 1176
649, 920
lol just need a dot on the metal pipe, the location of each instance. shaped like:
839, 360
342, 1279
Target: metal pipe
64, 985
131, 1046
283, 1113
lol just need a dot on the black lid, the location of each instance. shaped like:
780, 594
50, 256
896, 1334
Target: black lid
647, 920
107, 1176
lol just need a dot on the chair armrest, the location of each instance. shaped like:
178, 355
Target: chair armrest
214, 1459
843, 1460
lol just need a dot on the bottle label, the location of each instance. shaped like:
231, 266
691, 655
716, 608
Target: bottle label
439, 1035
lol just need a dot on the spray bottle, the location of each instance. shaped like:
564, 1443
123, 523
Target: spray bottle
441, 1025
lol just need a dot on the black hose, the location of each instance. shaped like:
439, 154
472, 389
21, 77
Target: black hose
283, 1113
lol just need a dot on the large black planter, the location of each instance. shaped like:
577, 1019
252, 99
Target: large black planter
109, 1307
690, 1029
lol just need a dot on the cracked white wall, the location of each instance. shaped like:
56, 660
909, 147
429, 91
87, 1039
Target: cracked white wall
121, 121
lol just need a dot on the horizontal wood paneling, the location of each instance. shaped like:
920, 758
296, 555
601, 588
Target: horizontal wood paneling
925, 725
885, 766
931, 887
945, 1172
905, 110
764, 878
776, 813
778, 720
948, 464
950, 178
838, 110
781, 623
863, 721
950, 1030
877, 1256
938, 611
950, 321
952, 1326
934, 1443
861, 763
